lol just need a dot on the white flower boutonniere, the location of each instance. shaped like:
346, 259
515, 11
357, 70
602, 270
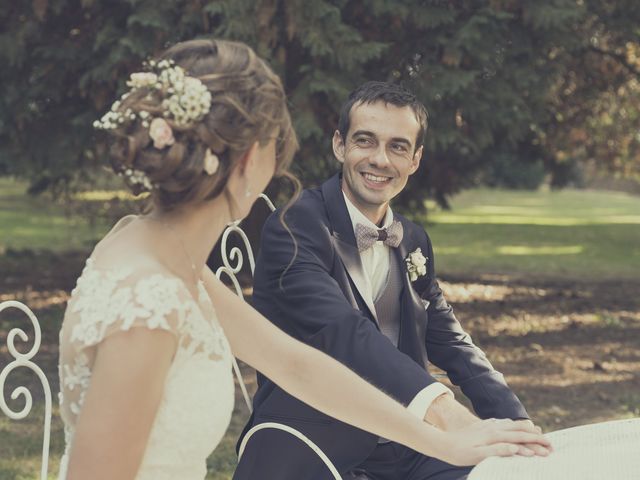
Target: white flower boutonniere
416, 264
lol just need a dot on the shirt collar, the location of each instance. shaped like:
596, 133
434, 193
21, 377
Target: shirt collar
358, 217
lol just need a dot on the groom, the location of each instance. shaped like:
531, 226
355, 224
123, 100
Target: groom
357, 281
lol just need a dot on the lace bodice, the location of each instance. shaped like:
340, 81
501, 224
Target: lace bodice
198, 394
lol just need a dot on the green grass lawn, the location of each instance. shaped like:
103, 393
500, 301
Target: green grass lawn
577, 234
38, 223
570, 234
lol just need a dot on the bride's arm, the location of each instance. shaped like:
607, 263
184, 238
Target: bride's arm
120, 405
330, 387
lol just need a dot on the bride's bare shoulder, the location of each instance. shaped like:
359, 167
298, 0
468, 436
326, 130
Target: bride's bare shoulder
129, 245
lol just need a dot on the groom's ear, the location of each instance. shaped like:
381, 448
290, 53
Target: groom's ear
338, 146
415, 161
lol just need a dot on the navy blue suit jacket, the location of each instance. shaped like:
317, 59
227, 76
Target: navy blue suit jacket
319, 301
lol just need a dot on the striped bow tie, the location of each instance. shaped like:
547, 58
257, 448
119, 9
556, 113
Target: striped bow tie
367, 236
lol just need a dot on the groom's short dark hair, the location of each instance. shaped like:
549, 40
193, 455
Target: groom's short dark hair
389, 93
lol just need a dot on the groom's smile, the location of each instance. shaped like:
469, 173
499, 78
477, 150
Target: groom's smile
376, 181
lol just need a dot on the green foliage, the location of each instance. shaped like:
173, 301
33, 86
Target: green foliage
496, 76
512, 173
595, 101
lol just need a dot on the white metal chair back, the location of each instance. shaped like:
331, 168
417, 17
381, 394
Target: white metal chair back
24, 360
231, 271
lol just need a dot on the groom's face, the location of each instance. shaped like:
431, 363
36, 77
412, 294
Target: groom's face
378, 155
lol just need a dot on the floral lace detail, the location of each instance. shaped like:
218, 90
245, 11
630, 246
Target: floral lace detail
105, 300
76, 375
198, 397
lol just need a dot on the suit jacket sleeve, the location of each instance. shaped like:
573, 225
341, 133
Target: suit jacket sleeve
300, 296
450, 348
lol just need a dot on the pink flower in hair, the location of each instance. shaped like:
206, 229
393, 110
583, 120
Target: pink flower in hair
211, 162
161, 133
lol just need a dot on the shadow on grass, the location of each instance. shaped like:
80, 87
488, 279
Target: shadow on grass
570, 348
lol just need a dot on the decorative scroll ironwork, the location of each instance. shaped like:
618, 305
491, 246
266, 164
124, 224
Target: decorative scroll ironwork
231, 270
24, 360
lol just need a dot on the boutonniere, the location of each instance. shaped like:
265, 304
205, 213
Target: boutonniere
416, 264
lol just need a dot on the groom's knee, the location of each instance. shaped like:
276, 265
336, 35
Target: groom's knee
274, 454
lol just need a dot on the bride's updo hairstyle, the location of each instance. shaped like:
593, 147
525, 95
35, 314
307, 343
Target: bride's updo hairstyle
181, 128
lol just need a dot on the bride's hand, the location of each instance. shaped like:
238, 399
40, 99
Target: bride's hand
486, 438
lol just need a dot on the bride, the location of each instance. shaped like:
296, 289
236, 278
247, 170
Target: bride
148, 334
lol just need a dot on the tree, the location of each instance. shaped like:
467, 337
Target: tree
494, 75
596, 101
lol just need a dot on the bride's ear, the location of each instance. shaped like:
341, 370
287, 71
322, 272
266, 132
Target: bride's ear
242, 171
247, 162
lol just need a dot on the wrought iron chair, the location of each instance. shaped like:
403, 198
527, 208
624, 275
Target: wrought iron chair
25, 360
233, 261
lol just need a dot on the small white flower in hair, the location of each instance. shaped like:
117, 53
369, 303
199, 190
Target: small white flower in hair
161, 133
211, 162
142, 79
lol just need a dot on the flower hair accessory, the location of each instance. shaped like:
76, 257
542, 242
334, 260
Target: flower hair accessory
161, 133
184, 101
211, 162
142, 79
137, 178
416, 264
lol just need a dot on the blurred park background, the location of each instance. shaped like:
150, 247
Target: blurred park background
529, 187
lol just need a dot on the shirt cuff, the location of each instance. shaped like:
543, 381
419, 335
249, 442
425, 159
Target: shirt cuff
425, 397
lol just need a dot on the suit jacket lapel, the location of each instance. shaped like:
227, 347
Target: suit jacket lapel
345, 240
351, 260
403, 252
413, 319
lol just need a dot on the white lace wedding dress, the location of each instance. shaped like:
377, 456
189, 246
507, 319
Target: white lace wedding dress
198, 394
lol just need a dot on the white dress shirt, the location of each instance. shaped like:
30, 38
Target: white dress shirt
375, 261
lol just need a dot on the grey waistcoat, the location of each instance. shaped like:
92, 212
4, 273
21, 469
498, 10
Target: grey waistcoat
387, 303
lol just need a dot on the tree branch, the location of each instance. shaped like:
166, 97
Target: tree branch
619, 57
